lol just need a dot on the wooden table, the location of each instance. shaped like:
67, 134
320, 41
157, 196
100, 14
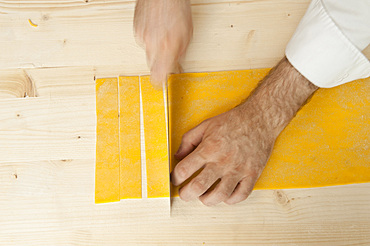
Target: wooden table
50, 53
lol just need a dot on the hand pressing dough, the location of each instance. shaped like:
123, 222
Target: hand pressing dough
327, 143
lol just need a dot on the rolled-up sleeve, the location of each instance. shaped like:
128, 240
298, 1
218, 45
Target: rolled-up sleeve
326, 46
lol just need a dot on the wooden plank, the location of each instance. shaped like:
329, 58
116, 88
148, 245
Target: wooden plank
107, 178
56, 198
156, 145
246, 34
30, 199
52, 203
129, 134
36, 128
233, 29
15, 83
63, 82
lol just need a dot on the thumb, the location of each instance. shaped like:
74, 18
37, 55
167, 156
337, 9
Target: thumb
191, 140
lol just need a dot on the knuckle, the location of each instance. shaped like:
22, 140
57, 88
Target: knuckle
186, 137
245, 194
213, 169
207, 150
181, 171
239, 169
198, 185
221, 196
210, 167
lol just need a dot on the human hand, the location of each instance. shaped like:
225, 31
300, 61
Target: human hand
234, 147
164, 28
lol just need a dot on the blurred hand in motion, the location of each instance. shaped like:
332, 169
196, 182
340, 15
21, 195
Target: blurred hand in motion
164, 28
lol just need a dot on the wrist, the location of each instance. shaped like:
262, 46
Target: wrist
278, 98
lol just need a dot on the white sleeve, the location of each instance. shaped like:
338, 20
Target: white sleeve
326, 47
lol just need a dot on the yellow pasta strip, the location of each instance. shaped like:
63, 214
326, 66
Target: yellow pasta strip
107, 142
129, 120
156, 148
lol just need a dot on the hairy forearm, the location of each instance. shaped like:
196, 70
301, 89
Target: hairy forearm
278, 98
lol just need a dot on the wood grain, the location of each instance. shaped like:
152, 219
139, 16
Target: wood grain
15, 83
47, 142
47, 128
104, 35
52, 203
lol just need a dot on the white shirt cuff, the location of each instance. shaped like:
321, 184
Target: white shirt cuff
322, 53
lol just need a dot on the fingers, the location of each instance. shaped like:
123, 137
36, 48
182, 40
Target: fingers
164, 29
222, 192
159, 71
186, 168
242, 191
163, 59
193, 161
200, 184
191, 140
229, 190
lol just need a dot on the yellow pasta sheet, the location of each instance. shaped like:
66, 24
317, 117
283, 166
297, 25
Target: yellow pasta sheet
327, 143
